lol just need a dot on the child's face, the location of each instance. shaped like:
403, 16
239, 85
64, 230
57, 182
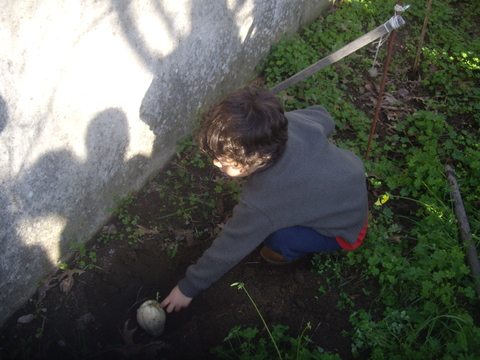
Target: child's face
235, 170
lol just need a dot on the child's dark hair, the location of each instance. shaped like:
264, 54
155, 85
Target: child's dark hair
247, 127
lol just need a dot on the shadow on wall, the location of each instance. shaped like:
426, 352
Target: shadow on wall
201, 69
59, 176
3, 114
23, 256
74, 190
8, 235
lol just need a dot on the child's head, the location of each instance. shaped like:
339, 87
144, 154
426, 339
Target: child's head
247, 129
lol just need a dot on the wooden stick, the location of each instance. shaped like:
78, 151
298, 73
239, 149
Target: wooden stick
465, 232
337, 55
422, 37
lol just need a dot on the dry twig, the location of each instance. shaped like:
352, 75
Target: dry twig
465, 232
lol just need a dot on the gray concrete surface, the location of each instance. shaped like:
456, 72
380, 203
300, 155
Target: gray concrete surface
94, 96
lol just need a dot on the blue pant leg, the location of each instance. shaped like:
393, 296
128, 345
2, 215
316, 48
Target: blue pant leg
299, 241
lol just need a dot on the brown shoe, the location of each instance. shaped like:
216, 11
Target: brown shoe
273, 257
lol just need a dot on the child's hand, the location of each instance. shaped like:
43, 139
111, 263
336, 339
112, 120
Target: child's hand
175, 300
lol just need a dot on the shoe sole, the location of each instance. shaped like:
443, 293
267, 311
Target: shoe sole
273, 262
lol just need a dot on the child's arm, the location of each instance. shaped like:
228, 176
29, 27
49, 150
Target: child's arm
239, 237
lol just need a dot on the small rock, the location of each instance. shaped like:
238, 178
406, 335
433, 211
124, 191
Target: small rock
25, 319
85, 319
403, 92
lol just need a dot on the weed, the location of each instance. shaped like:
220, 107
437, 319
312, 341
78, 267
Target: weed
172, 250
24, 351
416, 259
244, 344
84, 255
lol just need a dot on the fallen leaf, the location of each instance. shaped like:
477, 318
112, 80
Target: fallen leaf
66, 279
109, 229
219, 209
85, 319
127, 335
47, 285
143, 230
218, 229
69, 273
154, 186
391, 100
66, 284
420, 99
137, 351
402, 71
397, 238
181, 234
288, 97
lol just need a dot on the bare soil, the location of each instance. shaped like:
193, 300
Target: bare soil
92, 320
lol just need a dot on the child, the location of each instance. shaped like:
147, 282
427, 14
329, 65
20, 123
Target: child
304, 194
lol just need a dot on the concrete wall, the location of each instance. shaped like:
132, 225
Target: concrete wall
94, 95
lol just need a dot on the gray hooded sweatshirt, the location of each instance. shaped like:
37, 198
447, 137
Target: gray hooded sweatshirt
314, 184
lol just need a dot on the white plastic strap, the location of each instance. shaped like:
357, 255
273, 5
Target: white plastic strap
400, 9
394, 23
381, 41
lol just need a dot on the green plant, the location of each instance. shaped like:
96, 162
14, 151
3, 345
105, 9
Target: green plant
83, 255
329, 265
345, 301
77, 346
423, 306
242, 286
39, 309
244, 343
422, 292
24, 351
172, 250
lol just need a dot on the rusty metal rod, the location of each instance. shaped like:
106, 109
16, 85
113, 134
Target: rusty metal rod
380, 94
382, 85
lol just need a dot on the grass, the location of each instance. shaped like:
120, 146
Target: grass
425, 304
245, 343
